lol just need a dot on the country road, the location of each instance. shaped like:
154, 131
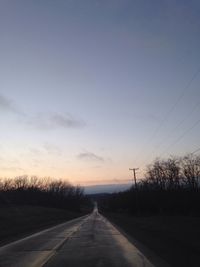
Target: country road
89, 241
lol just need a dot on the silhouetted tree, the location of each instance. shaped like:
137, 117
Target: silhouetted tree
170, 186
190, 167
36, 191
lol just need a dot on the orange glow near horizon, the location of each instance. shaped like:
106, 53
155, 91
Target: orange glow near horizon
82, 176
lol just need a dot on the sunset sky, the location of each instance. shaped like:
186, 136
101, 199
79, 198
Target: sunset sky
89, 89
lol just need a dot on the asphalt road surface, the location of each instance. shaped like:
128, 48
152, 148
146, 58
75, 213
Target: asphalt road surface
89, 241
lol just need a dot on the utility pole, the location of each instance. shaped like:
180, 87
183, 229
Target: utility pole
134, 175
136, 190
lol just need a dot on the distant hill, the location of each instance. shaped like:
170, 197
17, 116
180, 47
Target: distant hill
106, 188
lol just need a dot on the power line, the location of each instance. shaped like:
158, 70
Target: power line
195, 151
183, 92
166, 117
177, 126
181, 137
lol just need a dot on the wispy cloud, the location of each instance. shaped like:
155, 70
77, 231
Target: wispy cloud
52, 149
66, 121
7, 105
55, 120
43, 121
35, 151
11, 169
89, 156
46, 148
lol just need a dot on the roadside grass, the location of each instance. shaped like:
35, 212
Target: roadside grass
19, 221
175, 239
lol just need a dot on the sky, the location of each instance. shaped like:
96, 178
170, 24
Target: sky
89, 89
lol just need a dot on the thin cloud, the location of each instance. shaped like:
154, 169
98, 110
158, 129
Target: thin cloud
42, 121
7, 105
56, 120
89, 156
11, 169
52, 149
66, 121
35, 151
46, 148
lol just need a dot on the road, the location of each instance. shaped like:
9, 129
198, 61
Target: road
89, 241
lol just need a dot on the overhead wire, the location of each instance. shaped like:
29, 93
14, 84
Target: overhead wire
195, 151
177, 126
183, 92
181, 137
166, 117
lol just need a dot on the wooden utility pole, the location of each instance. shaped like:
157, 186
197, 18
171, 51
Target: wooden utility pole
136, 190
134, 175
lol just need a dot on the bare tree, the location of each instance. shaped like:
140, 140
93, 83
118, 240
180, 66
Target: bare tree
190, 165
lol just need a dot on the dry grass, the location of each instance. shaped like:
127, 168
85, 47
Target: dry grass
173, 238
19, 221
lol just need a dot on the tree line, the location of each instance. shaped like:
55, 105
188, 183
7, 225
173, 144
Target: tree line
170, 186
25, 190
